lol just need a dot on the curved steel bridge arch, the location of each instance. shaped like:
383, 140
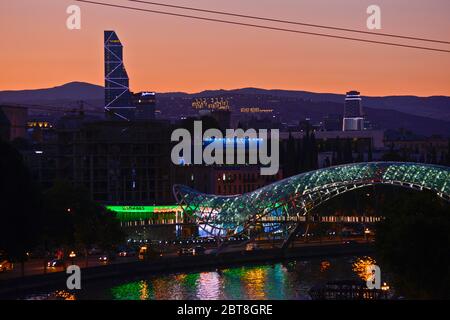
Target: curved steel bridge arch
298, 195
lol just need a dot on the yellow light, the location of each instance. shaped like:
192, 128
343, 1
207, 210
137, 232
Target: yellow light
324, 266
254, 282
64, 295
144, 290
360, 267
385, 287
180, 277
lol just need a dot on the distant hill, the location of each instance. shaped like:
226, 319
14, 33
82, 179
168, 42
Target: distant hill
63, 96
69, 91
435, 107
423, 115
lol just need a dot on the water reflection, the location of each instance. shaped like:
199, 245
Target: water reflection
253, 281
55, 295
128, 291
285, 280
144, 290
289, 280
209, 286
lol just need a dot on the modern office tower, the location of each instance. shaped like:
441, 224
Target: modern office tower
118, 104
145, 105
353, 115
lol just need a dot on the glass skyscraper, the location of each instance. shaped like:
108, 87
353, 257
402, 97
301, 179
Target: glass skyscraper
118, 102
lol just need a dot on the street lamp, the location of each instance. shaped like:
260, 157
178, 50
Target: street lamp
72, 256
366, 234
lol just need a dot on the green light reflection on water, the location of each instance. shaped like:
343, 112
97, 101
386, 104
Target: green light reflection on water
286, 280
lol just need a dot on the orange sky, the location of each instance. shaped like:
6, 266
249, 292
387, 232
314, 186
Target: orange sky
174, 54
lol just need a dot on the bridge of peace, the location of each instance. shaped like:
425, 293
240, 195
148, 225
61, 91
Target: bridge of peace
294, 198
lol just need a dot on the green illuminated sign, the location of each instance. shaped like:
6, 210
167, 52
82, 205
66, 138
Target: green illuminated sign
132, 213
148, 209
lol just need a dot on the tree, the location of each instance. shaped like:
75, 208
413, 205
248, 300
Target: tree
348, 152
337, 151
109, 230
448, 153
21, 206
291, 159
413, 242
59, 202
369, 153
313, 151
392, 155
76, 220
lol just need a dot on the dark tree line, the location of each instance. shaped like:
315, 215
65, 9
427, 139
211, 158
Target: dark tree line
413, 242
22, 214
430, 156
61, 217
299, 155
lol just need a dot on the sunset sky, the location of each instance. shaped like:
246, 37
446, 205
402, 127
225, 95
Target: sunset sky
165, 53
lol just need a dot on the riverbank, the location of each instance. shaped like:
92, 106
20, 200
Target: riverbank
15, 287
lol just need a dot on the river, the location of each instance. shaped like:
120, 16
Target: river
282, 280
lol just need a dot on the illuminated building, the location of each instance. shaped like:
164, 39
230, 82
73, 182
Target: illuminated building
223, 180
39, 124
147, 215
118, 104
238, 180
256, 110
353, 115
143, 222
216, 103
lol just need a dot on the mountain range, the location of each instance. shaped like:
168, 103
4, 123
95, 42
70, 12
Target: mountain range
423, 115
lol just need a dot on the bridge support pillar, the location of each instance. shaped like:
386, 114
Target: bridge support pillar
294, 232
